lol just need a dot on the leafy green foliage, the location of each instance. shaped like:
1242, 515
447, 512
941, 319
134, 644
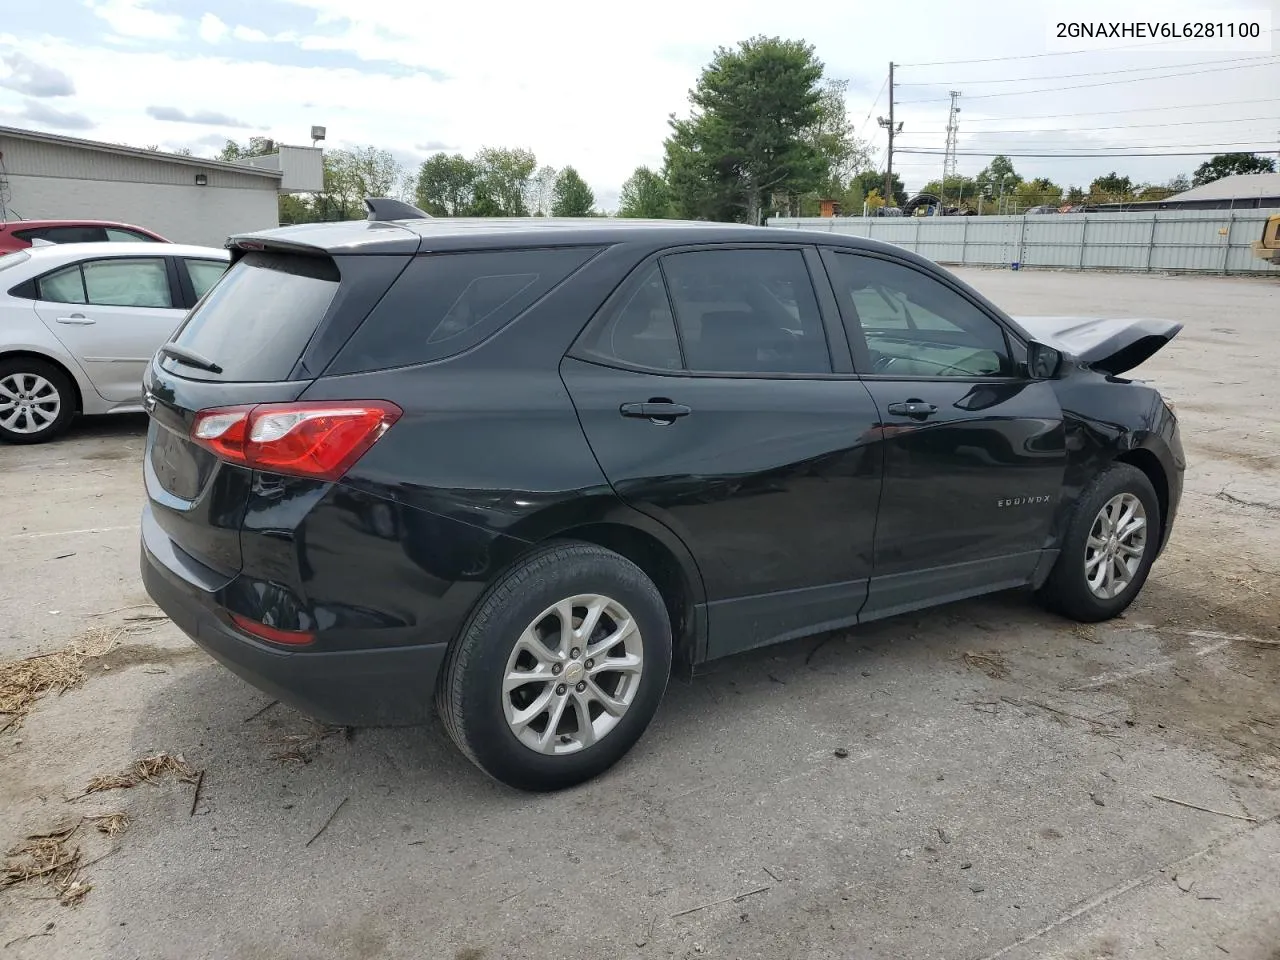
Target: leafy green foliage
749, 135
571, 196
1231, 164
645, 194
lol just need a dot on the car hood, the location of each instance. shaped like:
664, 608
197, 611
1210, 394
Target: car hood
1110, 346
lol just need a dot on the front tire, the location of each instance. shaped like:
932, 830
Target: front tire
559, 669
36, 400
1108, 548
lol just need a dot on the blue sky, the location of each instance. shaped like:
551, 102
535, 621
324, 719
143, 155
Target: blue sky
580, 85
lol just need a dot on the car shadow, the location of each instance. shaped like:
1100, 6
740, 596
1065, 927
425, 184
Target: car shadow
257, 751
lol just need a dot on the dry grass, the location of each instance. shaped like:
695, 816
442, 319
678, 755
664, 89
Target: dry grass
23, 682
112, 824
992, 663
146, 770
48, 858
303, 747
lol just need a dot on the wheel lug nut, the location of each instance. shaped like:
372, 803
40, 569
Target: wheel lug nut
561, 689
575, 653
582, 685
556, 668
589, 664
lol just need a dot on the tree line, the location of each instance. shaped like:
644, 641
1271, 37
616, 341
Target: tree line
767, 134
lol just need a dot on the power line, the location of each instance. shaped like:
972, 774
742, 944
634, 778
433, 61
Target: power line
1121, 126
1101, 83
1103, 113
1083, 156
1054, 53
873, 105
1131, 146
1096, 73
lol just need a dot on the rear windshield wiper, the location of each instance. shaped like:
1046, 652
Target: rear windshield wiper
190, 358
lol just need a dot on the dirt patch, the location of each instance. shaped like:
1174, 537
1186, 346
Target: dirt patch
1247, 458
111, 455
1217, 614
141, 654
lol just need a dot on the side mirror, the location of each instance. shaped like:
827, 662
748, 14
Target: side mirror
1043, 362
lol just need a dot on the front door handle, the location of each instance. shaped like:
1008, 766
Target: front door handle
77, 319
916, 409
657, 410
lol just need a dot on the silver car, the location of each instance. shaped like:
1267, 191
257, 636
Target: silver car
79, 322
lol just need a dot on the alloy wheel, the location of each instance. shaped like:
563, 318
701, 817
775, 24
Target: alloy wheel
29, 403
572, 674
1116, 545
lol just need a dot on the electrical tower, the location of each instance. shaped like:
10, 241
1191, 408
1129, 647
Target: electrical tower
949, 156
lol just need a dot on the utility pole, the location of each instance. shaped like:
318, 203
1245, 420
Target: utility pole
889, 125
949, 154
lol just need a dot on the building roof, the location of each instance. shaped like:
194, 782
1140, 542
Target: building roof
1242, 186
58, 139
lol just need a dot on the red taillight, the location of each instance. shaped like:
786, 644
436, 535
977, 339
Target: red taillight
292, 638
320, 440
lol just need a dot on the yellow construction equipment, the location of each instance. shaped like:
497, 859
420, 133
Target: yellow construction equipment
1268, 248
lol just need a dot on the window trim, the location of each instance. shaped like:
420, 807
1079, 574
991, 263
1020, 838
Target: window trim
1014, 344
578, 350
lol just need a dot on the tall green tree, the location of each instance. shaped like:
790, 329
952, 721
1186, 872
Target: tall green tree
502, 183
571, 196
1111, 189
842, 152
644, 194
1231, 164
998, 177
351, 175
745, 140
869, 180
445, 185
541, 191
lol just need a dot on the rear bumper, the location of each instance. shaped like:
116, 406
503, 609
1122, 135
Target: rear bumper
373, 687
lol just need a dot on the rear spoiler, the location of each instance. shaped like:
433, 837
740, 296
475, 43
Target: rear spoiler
382, 209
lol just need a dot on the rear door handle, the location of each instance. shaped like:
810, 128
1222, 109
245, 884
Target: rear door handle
916, 409
77, 319
662, 411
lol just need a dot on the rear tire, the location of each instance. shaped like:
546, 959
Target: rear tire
1108, 548
37, 401
539, 706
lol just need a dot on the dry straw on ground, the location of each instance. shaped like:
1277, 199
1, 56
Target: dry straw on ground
50, 858
992, 663
147, 770
303, 747
23, 682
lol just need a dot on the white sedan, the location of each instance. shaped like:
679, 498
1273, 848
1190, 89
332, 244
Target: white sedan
79, 322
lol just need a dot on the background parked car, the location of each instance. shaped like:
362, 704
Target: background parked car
19, 234
79, 323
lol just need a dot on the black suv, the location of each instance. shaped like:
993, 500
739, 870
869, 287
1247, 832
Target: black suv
530, 464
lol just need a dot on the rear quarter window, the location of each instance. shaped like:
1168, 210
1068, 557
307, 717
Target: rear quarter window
446, 303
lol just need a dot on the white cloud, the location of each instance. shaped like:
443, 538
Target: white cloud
132, 18
249, 35
212, 29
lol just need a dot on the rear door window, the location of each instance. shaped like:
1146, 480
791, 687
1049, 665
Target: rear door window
128, 283
73, 234
258, 320
747, 311
446, 303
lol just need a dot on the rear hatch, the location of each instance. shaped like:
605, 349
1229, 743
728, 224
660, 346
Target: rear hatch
261, 335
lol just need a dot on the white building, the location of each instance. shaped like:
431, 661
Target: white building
45, 176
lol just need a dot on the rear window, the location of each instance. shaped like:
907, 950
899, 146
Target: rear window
257, 321
446, 303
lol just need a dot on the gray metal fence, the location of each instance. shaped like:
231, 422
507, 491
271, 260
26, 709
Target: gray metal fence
1192, 241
